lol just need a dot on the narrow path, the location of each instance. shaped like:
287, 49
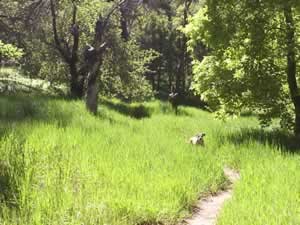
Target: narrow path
208, 208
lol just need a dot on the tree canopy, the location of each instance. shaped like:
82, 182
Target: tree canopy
252, 60
237, 55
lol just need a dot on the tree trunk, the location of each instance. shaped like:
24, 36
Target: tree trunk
291, 64
92, 93
170, 80
297, 112
178, 75
124, 25
76, 84
92, 86
158, 79
94, 65
182, 68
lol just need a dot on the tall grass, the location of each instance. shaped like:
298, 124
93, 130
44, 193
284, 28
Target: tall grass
131, 164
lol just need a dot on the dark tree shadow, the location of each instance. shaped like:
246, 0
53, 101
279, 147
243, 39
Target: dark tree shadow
9, 188
279, 139
166, 108
140, 111
188, 99
135, 111
19, 108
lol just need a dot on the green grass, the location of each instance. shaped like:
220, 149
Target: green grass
131, 164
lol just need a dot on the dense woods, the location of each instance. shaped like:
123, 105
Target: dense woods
237, 56
79, 43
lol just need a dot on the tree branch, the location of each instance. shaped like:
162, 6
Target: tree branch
57, 41
75, 33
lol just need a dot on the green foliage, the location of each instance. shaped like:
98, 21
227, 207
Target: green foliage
8, 51
124, 69
43, 62
125, 79
156, 31
42, 59
246, 65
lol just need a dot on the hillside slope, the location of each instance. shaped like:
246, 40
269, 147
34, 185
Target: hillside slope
131, 164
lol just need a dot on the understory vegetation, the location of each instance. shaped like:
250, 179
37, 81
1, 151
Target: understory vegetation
61, 165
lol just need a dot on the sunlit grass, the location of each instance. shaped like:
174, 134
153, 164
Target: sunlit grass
13, 82
131, 164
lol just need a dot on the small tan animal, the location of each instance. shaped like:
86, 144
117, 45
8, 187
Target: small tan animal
198, 139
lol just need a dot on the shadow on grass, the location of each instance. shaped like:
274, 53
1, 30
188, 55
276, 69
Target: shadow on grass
17, 109
136, 111
9, 191
279, 139
166, 108
151, 223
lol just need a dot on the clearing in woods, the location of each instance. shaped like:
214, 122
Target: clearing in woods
131, 164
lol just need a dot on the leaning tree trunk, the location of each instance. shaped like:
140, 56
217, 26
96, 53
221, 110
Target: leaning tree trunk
92, 93
291, 64
92, 86
93, 59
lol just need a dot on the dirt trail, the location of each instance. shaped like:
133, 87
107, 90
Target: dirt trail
208, 208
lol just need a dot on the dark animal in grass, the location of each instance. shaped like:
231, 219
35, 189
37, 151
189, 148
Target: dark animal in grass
174, 100
198, 139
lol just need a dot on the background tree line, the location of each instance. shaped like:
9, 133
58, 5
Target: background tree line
237, 55
127, 48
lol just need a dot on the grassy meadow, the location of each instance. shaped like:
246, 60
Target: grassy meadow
132, 164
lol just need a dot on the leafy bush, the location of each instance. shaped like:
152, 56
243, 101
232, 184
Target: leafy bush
9, 52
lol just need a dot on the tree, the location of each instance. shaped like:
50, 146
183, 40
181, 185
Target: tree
291, 61
93, 54
161, 30
252, 58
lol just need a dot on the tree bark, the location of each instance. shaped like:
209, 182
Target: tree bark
291, 64
76, 84
158, 78
183, 57
124, 25
93, 60
92, 90
93, 55
69, 53
94, 63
